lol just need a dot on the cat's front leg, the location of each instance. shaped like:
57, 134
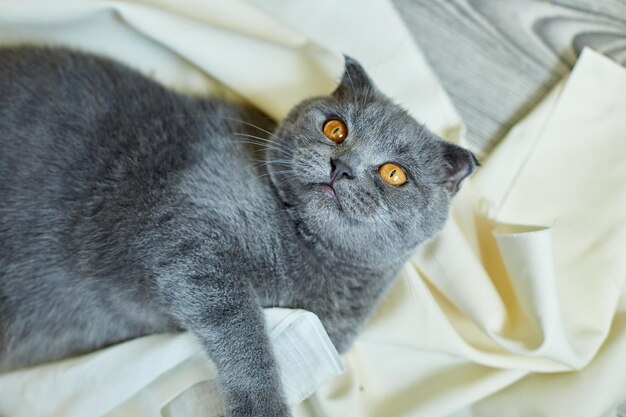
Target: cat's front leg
224, 314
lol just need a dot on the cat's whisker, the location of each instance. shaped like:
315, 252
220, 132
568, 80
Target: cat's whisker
284, 171
265, 147
208, 116
264, 150
255, 151
247, 135
276, 172
256, 127
400, 260
279, 163
281, 180
412, 289
265, 160
430, 251
408, 280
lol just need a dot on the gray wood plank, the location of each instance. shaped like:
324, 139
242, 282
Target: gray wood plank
498, 58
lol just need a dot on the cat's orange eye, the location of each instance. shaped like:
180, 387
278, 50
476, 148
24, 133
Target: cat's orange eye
392, 174
335, 130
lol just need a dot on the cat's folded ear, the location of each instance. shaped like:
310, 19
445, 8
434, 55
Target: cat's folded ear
355, 83
459, 163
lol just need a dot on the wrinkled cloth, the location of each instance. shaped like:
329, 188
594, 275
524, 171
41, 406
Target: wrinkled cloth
517, 308
144, 377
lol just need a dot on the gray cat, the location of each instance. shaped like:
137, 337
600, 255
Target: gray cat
128, 209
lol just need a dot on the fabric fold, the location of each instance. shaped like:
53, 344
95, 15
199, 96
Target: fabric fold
142, 376
530, 286
517, 304
293, 67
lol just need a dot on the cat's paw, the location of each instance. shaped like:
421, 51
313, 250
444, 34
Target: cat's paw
261, 406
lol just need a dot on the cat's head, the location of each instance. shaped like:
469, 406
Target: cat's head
360, 174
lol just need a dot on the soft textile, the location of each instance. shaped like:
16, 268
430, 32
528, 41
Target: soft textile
144, 377
518, 307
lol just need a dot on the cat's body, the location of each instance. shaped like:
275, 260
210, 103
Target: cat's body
127, 209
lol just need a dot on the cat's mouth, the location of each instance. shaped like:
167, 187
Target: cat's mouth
329, 192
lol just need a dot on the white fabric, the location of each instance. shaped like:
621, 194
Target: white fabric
141, 377
195, 46
517, 308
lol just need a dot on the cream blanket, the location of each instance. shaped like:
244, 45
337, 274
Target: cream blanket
517, 308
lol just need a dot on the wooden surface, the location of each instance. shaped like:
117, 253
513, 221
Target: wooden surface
498, 58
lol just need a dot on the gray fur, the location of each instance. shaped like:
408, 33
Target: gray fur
127, 209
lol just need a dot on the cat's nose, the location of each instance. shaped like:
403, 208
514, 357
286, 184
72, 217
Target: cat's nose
338, 170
